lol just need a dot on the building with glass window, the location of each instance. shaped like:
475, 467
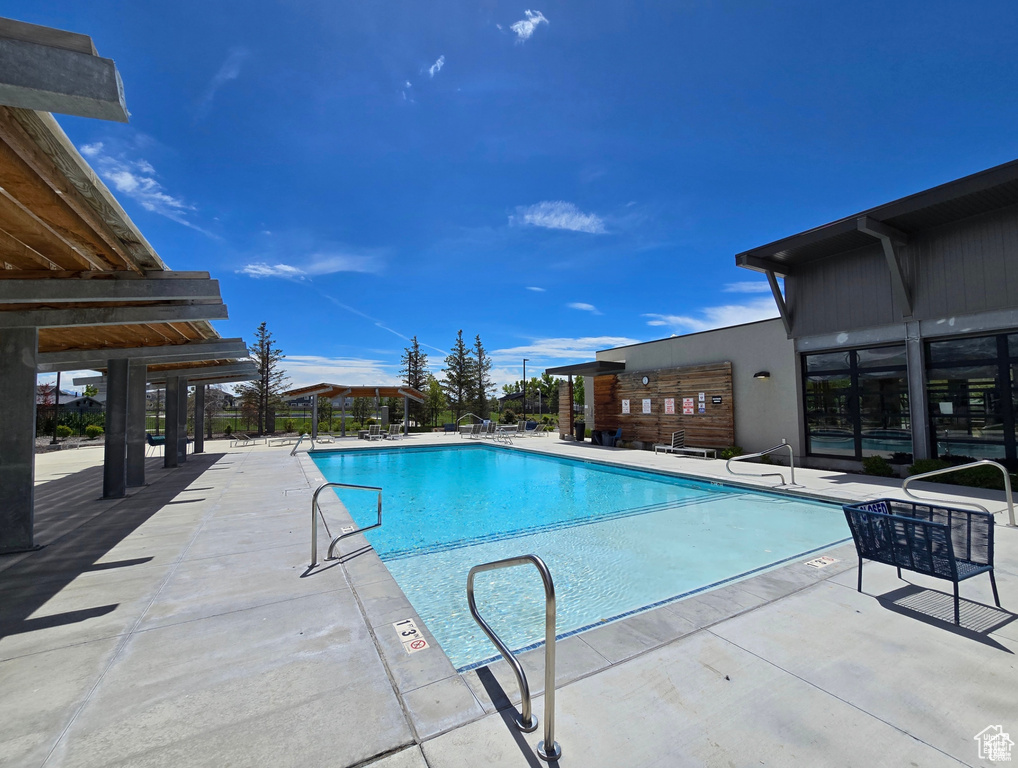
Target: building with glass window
904, 320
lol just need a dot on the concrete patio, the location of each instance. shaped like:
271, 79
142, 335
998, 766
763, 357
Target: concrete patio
179, 626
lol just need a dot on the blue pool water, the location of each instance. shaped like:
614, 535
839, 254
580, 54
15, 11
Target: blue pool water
615, 540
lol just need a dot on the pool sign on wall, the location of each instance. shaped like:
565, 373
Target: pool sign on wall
646, 405
669, 405
687, 406
625, 406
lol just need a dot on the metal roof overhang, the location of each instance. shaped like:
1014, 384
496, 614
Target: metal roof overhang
981, 192
340, 390
593, 368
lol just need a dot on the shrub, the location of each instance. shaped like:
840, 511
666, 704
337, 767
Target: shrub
324, 426
927, 465
900, 457
878, 466
64, 431
228, 431
509, 416
731, 452
305, 428
289, 425
93, 431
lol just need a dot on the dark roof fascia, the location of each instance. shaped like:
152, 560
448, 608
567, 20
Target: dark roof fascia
758, 258
591, 368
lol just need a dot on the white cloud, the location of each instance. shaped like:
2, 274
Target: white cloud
136, 178
524, 28
584, 307
748, 286
316, 264
535, 288
305, 370
230, 70
559, 349
716, 317
558, 214
435, 68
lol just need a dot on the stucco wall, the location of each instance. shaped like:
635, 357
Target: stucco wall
766, 410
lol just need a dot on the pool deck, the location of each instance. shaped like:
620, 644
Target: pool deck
180, 626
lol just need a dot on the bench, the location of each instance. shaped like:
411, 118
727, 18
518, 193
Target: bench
942, 542
678, 445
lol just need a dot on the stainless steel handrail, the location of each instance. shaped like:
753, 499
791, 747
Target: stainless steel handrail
548, 749
980, 463
301, 440
791, 465
315, 512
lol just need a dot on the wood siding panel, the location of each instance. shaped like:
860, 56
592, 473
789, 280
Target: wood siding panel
713, 429
565, 407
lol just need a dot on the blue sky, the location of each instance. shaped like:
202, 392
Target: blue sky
558, 177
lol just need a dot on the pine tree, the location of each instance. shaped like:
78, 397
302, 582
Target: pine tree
457, 377
481, 385
414, 371
264, 394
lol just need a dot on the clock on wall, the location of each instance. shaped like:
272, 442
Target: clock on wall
646, 380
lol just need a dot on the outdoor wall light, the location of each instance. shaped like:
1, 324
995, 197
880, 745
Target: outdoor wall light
762, 375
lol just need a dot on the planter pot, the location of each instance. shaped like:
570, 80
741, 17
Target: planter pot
578, 431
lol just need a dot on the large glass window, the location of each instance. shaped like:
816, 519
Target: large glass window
857, 403
971, 388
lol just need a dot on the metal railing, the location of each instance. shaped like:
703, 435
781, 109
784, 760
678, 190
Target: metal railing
316, 512
791, 465
301, 440
548, 749
980, 463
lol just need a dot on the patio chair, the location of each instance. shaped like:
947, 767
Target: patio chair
325, 437
374, 432
155, 441
395, 431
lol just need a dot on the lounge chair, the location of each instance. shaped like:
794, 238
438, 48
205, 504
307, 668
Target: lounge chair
679, 446
532, 428
395, 431
242, 440
325, 437
374, 432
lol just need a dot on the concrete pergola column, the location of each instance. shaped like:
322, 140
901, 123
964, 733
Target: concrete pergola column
136, 427
115, 440
182, 416
199, 418
18, 350
915, 357
172, 422
342, 417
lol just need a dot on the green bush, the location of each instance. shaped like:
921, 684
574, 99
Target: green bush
927, 465
731, 452
64, 431
878, 466
509, 416
228, 431
93, 431
305, 428
324, 426
289, 425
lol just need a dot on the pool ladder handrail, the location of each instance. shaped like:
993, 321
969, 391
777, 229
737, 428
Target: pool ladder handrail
465, 415
316, 511
547, 749
980, 463
301, 440
791, 465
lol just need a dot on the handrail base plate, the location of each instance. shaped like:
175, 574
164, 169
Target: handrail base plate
523, 726
554, 754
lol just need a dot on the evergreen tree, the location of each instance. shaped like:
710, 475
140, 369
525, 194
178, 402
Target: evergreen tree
457, 381
262, 396
481, 386
414, 370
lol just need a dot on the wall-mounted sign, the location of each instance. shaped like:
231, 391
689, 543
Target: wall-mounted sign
702, 397
625, 406
687, 406
703, 408
669, 405
646, 405
715, 399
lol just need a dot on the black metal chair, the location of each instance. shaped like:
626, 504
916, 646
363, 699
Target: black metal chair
942, 542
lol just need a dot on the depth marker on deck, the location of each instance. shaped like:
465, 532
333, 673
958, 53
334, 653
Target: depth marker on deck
820, 562
410, 636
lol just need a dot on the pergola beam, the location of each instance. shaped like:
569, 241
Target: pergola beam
75, 359
49, 291
91, 316
890, 239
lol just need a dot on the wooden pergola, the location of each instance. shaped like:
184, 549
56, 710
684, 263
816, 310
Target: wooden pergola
80, 286
338, 390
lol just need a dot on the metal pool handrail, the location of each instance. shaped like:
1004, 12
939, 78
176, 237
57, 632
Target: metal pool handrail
980, 463
301, 440
791, 465
315, 512
548, 749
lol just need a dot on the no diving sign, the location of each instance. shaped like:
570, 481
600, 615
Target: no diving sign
410, 636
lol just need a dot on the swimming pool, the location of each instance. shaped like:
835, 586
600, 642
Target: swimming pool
616, 540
